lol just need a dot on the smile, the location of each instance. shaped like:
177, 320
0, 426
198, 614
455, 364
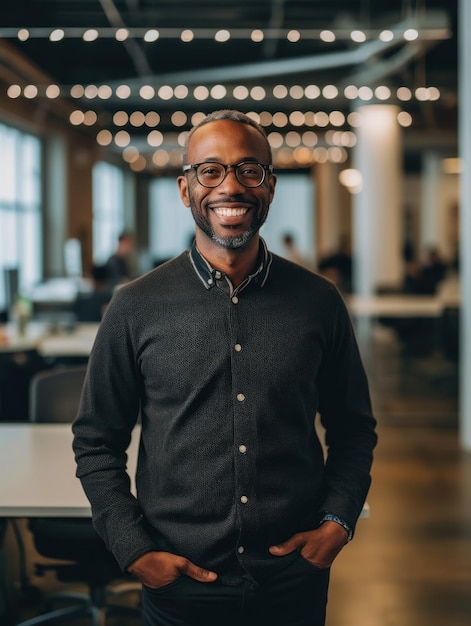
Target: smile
225, 212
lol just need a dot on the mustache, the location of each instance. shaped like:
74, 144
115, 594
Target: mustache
238, 199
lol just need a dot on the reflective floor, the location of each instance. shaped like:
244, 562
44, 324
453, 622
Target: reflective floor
410, 562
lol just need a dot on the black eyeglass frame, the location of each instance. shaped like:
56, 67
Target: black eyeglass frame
267, 169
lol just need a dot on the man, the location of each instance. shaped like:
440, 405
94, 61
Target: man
227, 352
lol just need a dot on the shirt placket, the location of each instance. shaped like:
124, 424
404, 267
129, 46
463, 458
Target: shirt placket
244, 431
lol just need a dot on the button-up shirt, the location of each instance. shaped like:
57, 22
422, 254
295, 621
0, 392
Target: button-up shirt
227, 383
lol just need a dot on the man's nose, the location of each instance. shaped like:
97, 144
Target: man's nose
231, 181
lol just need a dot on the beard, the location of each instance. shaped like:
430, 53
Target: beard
229, 242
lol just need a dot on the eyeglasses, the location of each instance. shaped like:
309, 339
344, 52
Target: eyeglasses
211, 174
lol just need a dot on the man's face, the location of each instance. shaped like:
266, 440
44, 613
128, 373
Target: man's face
231, 214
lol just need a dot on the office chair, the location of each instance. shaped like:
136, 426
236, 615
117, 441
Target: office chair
80, 553
17, 368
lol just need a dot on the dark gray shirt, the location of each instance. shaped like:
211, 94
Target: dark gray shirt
227, 383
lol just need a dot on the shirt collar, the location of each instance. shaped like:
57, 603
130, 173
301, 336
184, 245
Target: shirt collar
208, 274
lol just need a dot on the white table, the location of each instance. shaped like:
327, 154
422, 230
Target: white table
48, 341
78, 342
37, 471
58, 291
394, 306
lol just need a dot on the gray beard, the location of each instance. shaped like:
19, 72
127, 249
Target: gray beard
233, 243
236, 242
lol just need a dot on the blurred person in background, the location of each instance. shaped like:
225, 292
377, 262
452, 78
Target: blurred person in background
121, 266
90, 306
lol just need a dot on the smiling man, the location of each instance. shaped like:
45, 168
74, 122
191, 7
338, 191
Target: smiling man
227, 352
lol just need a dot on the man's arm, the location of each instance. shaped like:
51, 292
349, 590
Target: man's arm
346, 414
102, 432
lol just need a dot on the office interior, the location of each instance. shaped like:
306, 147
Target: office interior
364, 104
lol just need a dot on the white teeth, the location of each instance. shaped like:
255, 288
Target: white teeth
230, 212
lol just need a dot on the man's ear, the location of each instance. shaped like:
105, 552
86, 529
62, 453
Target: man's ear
271, 186
182, 182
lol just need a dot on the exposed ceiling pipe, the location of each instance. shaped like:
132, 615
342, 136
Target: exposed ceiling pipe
135, 52
264, 69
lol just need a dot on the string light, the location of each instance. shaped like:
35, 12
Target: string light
296, 92
57, 35
255, 35
90, 35
291, 148
123, 92
181, 92
53, 91
222, 36
293, 36
165, 92
358, 36
23, 34
240, 92
137, 119
280, 91
122, 34
328, 36
151, 35
187, 36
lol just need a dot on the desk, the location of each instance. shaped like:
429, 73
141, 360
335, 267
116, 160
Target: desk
37, 471
57, 292
76, 342
12, 341
395, 306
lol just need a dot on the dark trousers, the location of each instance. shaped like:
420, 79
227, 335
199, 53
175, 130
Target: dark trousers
295, 595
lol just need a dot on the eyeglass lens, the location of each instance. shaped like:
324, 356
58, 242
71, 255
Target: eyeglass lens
212, 174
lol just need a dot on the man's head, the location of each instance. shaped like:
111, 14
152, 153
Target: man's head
226, 114
229, 205
126, 243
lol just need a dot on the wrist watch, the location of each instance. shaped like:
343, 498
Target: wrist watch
330, 517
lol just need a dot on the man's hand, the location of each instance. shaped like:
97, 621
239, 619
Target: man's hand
319, 546
157, 569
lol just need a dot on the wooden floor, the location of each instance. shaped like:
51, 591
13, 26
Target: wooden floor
410, 562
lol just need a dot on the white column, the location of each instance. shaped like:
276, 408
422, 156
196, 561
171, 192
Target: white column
464, 129
328, 208
377, 209
430, 201
434, 222
55, 213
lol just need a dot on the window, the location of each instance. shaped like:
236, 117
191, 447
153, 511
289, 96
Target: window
171, 225
108, 209
20, 210
292, 211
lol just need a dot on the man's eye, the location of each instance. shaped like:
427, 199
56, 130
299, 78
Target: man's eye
210, 170
248, 170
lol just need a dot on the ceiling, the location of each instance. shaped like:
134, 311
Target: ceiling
172, 69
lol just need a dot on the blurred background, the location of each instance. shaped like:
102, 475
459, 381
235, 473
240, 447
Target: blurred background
364, 103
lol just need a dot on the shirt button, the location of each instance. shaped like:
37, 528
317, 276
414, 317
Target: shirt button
237, 347
240, 397
244, 499
210, 281
241, 549
235, 300
242, 449
218, 275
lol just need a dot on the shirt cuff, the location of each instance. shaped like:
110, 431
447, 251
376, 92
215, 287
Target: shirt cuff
330, 517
